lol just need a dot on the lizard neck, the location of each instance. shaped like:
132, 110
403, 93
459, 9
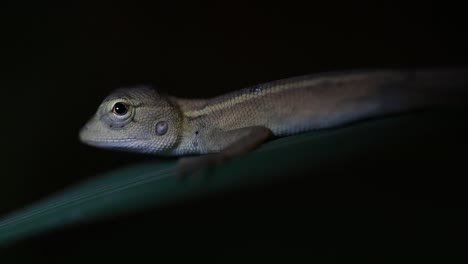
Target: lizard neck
189, 142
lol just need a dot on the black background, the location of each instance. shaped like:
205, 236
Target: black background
59, 60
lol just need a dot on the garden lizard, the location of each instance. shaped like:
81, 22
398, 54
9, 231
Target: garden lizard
141, 119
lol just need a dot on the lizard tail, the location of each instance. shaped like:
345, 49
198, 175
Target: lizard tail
427, 88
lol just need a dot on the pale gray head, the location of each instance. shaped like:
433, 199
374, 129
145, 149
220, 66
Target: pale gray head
134, 119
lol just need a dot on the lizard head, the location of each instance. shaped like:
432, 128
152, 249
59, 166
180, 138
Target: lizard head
136, 119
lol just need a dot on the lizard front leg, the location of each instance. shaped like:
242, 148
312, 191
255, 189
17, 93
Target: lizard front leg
225, 145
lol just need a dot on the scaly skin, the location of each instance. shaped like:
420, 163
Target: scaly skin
237, 122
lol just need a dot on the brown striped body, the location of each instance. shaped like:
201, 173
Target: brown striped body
285, 107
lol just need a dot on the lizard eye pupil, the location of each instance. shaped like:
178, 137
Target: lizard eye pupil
120, 108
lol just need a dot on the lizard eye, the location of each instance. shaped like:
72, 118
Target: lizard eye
161, 128
120, 108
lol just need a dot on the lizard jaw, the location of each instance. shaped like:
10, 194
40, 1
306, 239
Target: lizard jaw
87, 136
107, 142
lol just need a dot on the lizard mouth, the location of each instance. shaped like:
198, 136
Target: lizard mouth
98, 139
106, 142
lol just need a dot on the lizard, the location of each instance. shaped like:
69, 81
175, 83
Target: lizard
205, 131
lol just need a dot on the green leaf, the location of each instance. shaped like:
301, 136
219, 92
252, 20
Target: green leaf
151, 185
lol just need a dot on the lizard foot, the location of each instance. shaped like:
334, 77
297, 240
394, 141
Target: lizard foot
189, 165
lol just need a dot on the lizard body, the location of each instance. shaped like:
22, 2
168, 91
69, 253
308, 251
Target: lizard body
140, 119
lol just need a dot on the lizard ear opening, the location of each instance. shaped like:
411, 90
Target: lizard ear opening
161, 128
